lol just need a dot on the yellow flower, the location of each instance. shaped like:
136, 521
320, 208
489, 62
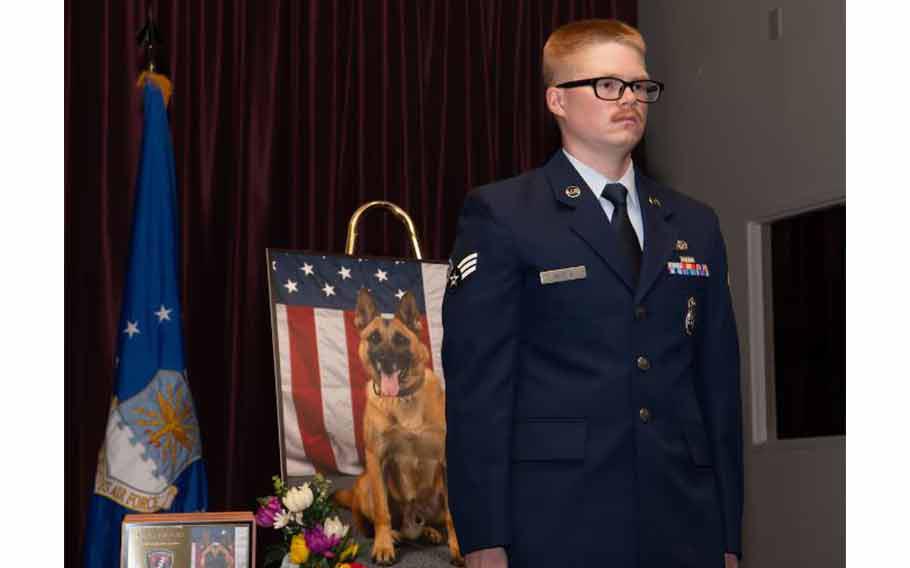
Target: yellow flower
349, 552
299, 550
345, 565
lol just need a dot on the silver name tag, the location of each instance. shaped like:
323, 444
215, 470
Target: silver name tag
563, 275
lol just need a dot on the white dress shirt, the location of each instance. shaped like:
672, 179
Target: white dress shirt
597, 181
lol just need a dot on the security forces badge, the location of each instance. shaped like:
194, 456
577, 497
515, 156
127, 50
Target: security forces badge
690, 316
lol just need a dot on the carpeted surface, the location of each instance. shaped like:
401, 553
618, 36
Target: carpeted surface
410, 555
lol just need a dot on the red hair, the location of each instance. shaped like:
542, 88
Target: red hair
575, 36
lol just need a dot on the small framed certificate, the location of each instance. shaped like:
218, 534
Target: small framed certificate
190, 540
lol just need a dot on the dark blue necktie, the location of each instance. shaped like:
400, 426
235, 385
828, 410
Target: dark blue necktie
617, 194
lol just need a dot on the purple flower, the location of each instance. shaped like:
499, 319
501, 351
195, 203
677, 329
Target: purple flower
319, 543
265, 516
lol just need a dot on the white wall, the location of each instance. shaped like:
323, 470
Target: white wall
755, 127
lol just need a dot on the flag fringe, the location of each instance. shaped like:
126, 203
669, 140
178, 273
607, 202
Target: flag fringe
160, 81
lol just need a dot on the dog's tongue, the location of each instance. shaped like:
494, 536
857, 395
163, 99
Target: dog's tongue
389, 384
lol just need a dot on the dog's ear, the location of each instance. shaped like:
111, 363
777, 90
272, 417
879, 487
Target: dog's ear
408, 312
366, 311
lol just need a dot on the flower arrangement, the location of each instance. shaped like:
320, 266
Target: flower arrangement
314, 536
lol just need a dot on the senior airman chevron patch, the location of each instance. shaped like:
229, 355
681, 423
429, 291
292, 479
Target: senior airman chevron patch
465, 267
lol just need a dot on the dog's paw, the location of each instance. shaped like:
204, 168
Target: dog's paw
432, 535
383, 552
457, 560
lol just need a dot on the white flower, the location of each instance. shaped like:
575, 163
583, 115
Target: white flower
298, 498
334, 527
282, 519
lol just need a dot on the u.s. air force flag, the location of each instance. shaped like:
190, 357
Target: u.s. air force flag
151, 459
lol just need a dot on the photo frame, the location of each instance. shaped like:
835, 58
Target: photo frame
192, 540
321, 399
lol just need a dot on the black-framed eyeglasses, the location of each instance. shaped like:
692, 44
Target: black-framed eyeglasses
613, 88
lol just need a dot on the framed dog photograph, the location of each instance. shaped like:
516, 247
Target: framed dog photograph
361, 391
326, 370
191, 540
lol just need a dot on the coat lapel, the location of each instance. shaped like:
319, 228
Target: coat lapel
588, 218
660, 235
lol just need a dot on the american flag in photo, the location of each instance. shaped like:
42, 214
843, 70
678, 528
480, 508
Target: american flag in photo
322, 383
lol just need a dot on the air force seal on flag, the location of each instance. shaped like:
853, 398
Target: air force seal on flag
151, 438
459, 272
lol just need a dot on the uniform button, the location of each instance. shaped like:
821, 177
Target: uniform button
643, 363
640, 313
645, 415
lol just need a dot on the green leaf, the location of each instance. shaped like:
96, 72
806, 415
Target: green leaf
280, 488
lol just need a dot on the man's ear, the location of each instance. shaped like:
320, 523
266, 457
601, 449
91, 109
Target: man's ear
554, 97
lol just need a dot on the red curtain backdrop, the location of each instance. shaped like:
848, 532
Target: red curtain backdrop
285, 117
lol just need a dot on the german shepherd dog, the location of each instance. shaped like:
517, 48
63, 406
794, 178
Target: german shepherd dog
403, 484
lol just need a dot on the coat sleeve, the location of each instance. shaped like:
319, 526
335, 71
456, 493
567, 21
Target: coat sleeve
719, 391
480, 341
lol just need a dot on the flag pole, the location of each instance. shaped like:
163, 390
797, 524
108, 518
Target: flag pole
149, 39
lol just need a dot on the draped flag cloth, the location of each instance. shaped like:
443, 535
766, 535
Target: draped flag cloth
151, 458
321, 381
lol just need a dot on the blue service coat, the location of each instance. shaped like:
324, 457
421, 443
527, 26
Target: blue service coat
591, 422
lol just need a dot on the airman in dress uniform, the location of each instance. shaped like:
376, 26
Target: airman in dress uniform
590, 349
